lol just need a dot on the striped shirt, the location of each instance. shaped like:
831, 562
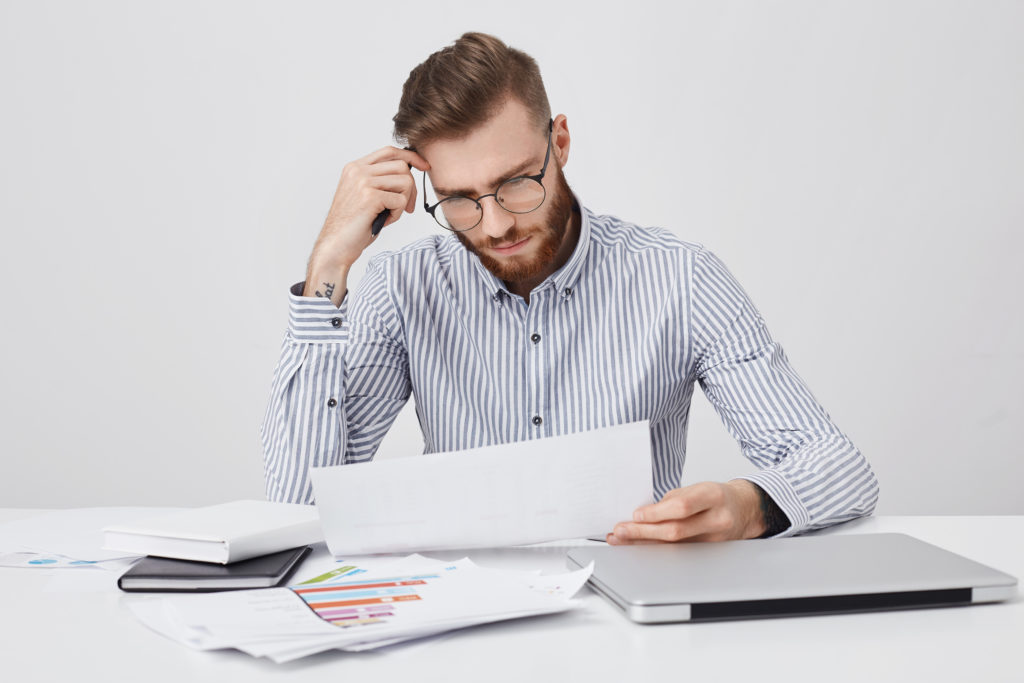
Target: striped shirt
622, 332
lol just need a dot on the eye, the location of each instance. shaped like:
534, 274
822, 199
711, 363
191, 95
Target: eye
514, 184
521, 195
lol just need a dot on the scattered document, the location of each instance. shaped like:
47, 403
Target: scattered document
33, 560
573, 486
356, 609
75, 534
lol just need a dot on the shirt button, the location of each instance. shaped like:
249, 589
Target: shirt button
537, 420
331, 403
535, 337
567, 293
336, 322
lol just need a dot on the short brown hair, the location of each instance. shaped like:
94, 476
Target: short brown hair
462, 85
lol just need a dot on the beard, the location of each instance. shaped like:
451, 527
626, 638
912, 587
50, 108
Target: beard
551, 233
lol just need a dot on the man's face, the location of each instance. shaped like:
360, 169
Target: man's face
515, 247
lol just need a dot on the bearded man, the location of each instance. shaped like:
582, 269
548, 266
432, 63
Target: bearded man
533, 317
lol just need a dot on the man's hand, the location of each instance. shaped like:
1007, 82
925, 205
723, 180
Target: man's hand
378, 181
708, 511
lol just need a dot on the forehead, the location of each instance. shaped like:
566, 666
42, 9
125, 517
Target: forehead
505, 142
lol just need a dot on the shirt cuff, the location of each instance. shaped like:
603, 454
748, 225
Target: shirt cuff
780, 490
316, 318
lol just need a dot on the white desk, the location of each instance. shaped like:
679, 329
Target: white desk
49, 633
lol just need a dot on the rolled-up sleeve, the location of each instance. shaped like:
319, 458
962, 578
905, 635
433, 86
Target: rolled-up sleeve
815, 474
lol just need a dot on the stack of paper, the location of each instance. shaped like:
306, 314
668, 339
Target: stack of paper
354, 608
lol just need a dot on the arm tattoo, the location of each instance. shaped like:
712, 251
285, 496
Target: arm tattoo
328, 288
774, 518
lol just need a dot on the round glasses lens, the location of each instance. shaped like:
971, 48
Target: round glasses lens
520, 195
458, 213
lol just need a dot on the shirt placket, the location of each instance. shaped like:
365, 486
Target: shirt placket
536, 333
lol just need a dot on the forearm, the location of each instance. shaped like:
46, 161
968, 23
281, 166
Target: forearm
327, 281
381, 181
305, 424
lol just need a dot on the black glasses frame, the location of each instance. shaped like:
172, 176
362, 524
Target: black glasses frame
537, 178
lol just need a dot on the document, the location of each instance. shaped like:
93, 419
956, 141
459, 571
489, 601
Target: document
357, 608
74, 534
573, 486
34, 560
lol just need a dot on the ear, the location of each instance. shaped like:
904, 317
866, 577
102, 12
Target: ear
560, 139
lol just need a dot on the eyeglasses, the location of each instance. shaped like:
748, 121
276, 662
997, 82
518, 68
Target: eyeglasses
521, 194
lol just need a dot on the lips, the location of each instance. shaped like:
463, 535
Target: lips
511, 248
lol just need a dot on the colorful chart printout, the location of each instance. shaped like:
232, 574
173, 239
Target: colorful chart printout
357, 603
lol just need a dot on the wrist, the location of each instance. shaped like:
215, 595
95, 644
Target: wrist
752, 519
328, 281
775, 521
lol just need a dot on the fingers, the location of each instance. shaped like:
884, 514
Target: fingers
402, 183
410, 206
697, 527
381, 168
395, 202
681, 503
361, 186
390, 183
612, 539
378, 171
701, 512
408, 156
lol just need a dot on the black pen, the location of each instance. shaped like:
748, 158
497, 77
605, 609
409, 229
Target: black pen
379, 221
382, 218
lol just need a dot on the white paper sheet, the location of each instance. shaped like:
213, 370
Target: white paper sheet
399, 600
28, 559
75, 533
571, 486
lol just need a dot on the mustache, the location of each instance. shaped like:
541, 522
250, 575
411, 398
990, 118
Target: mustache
512, 236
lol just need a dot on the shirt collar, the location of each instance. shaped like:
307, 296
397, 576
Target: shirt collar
564, 279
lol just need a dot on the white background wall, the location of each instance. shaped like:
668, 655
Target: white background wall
166, 166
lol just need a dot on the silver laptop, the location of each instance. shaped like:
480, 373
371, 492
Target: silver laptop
786, 577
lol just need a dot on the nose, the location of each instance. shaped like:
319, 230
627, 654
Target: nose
496, 220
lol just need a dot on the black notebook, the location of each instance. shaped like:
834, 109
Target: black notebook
160, 574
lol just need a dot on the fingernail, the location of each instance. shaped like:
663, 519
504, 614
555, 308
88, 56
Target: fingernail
612, 540
638, 516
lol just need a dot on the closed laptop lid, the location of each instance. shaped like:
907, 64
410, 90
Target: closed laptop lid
788, 576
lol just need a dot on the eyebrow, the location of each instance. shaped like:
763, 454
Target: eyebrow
469, 192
